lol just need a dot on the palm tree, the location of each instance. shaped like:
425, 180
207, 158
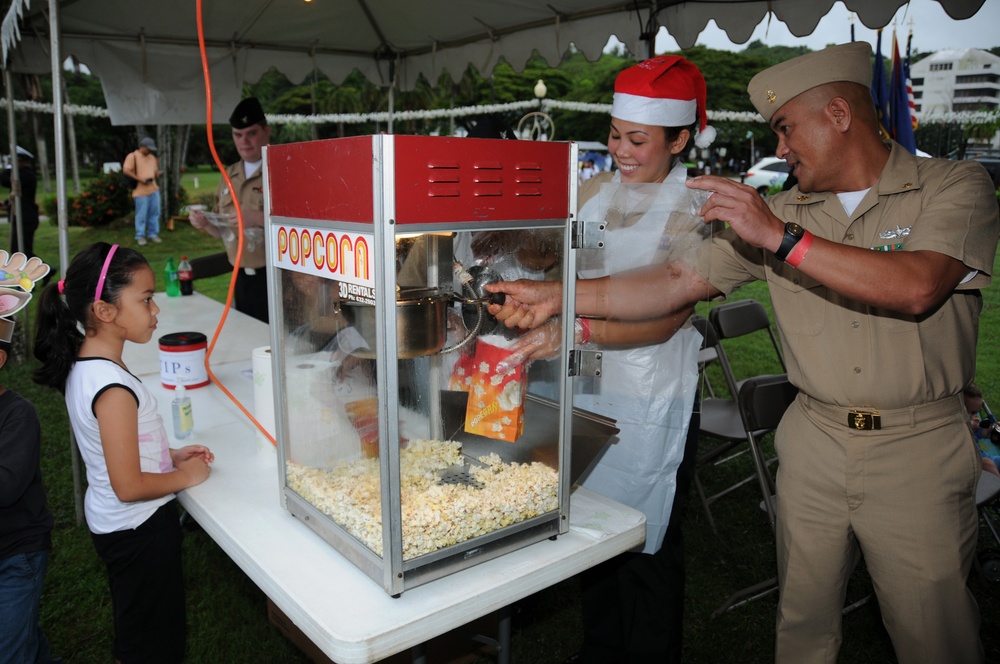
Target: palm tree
337, 99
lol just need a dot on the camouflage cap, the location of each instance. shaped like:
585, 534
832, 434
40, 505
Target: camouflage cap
775, 86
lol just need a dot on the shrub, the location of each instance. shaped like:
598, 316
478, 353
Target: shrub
178, 202
102, 201
50, 206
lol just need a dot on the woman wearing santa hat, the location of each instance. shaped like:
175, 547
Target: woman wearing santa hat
633, 604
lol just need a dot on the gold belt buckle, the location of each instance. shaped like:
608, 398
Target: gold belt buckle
864, 420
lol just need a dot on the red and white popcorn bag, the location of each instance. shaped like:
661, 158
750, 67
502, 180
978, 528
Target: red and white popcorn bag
496, 403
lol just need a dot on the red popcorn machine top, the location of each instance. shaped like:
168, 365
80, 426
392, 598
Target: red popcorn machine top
410, 436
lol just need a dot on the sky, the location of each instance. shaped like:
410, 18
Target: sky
933, 30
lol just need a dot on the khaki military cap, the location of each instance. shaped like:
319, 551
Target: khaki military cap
776, 86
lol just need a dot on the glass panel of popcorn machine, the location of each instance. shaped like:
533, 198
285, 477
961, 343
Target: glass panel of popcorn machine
475, 462
332, 411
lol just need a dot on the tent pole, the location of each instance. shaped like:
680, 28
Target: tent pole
392, 88
654, 27
71, 138
60, 146
17, 226
17, 199
59, 137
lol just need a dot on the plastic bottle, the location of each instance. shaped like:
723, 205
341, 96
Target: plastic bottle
186, 276
173, 283
183, 417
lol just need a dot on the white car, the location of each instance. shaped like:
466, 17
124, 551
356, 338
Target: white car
766, 173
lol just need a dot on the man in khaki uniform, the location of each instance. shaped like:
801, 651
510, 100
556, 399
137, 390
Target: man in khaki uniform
874, 263
250, 134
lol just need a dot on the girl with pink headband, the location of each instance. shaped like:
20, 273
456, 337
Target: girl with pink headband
133, 474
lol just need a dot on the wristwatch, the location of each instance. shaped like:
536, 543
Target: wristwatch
793, 233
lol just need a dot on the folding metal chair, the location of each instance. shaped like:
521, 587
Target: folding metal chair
707, 354
763, 401
988, 503
720, 417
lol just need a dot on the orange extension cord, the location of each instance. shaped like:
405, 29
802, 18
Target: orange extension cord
239, 223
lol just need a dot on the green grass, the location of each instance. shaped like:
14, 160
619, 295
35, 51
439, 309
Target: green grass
200, 182
183, 240
227, 612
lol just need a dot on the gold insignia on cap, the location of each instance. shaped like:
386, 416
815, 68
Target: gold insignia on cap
771, 97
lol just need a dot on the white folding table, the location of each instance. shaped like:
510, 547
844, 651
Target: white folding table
339, 608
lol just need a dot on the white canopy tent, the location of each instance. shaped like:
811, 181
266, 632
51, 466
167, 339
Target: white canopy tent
147, 54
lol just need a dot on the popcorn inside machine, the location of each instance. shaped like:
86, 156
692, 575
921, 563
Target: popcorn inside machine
410, 434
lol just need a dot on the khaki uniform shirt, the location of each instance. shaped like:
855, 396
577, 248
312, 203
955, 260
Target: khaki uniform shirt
145, 167
845, 353
250, 193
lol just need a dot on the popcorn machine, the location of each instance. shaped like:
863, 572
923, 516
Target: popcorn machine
410, 436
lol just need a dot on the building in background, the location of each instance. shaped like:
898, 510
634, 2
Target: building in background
956, 80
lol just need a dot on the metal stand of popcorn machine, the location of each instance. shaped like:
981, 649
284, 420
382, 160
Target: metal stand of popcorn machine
404, 439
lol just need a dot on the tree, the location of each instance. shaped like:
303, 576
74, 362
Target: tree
338, 99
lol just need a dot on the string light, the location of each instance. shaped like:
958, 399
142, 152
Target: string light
960, 117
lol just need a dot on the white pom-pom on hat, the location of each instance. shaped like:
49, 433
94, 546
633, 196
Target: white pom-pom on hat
705, 137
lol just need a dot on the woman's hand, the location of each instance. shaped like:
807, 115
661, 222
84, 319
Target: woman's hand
528, 303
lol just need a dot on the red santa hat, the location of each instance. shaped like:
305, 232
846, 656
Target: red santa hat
666, 91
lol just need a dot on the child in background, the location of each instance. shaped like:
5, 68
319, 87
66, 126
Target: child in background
25, 528
132, 473
989, 452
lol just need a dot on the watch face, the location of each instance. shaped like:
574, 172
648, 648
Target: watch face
794, 229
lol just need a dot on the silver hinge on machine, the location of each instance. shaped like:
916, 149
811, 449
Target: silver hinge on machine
585, 362
588, 234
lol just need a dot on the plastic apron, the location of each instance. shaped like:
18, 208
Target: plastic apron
648, 390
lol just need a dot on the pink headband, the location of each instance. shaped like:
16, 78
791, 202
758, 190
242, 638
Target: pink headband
104, 272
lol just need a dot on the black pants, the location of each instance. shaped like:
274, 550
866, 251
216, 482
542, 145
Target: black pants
250, 294
147, 588
633, 604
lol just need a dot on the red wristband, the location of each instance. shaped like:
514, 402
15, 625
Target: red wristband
798, 252
584, 330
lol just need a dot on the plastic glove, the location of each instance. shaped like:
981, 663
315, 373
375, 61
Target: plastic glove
540, 343
200, 221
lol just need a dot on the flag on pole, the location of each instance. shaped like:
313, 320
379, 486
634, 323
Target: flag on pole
900, 118
879, 93
909, 81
